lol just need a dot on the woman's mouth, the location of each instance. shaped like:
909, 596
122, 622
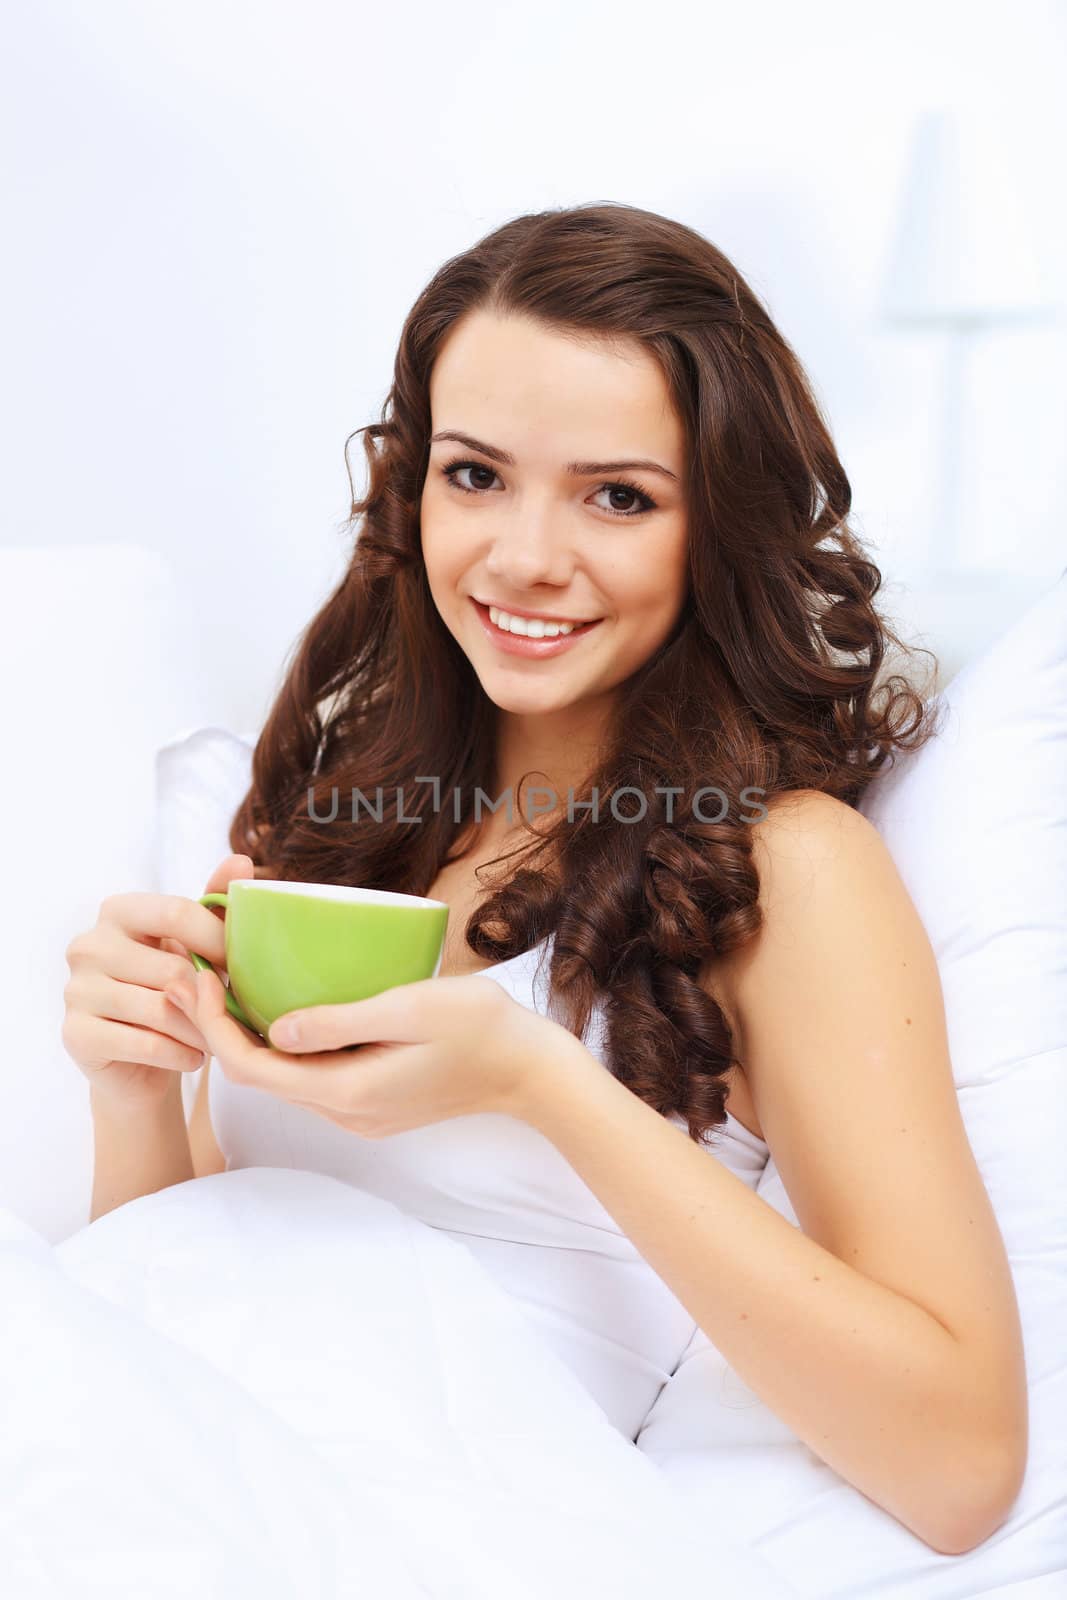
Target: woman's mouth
522, 644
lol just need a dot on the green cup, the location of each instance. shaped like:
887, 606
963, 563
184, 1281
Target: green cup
290, 945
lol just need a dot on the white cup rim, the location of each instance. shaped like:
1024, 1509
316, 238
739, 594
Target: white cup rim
349, 894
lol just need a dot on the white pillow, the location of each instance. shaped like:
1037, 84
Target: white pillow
202, 775
95, 668
976, 823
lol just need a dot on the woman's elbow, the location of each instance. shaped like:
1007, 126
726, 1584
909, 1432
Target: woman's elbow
989, 1508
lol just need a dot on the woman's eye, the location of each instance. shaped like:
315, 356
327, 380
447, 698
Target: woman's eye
468, 466
629, 490
645, 504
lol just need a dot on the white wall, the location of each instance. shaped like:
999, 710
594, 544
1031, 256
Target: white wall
218, 214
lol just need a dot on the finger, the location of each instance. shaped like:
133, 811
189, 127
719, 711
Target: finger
203, 999
152, 916
113, 953
396, 1016
101, 996
122, 1041
228, 871
230, 868
337, 1082
328, 1080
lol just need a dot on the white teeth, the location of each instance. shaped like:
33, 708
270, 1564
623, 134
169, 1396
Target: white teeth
531, 627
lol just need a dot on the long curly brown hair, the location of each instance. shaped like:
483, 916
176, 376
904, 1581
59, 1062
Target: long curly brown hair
769, 682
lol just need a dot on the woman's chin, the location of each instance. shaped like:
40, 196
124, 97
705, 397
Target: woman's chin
523, 700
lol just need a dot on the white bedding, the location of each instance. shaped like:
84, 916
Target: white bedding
111, 1434
268, 1383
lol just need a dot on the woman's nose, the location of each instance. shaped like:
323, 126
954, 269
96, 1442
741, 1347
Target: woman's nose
529, 551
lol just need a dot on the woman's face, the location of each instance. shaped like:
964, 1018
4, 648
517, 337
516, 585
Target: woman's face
535, 534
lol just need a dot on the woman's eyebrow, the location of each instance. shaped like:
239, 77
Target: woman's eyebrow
582, 469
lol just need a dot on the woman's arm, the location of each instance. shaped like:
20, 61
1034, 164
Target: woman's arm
137, 1151
886, 1332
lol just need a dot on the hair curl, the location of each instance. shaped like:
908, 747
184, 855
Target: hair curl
768, 682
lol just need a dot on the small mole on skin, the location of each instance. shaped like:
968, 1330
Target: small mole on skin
908, 1021
816, 1277
744, 1316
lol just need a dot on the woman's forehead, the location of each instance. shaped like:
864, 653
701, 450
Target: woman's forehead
545, 400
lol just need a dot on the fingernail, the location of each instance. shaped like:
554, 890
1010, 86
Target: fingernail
285, 1031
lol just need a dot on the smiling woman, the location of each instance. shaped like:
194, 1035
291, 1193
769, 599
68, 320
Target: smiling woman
605, 541
544, 454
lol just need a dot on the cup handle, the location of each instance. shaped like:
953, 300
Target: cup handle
233, 1005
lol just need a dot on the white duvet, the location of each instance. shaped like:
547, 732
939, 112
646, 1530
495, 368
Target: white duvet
270, 1384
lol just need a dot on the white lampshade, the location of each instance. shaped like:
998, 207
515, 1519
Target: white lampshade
964, 250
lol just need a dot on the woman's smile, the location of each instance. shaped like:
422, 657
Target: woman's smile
530, 645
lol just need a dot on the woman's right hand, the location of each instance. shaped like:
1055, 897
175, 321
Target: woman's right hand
119, 1027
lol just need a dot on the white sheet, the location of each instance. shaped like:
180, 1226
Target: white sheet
268, 1383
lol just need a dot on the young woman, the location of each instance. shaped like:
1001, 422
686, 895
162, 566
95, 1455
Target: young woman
595, 424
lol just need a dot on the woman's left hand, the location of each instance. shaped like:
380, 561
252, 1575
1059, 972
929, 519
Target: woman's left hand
415, 1054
